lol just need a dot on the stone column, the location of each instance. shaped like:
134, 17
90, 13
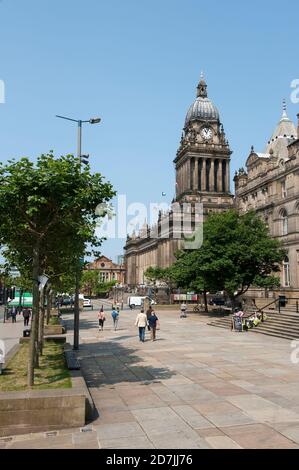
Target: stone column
189, 176
186, 177
179, 180
219, 177
195, 175
203, 174
224, 175
227, 177
212, 175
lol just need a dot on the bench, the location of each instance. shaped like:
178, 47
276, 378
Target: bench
71, 360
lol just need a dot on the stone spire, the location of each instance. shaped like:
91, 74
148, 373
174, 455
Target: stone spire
202, 87
284, 110
284, 134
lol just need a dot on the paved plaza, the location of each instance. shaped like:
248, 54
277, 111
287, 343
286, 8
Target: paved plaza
10, 332
196, 387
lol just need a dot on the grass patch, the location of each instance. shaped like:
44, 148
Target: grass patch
51, 374
54, 321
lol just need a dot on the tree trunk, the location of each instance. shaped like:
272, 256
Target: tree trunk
41, 324
205, 301
35, 315
48, 295
36, 355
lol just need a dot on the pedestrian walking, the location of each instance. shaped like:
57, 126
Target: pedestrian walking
102, 319
115, 318
183, 310
141, 322
153, 322
26, 316
14, 315
148, 314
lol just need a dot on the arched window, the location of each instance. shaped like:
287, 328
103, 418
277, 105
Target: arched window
286, 272
284, 222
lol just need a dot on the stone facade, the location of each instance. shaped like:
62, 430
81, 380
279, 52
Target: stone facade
202, 166
270, 186
108, 271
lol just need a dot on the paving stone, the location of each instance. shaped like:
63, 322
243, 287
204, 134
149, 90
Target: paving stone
127, 443
263, 410
210, 432
178, 440
118, 431
222, 442
84, 437
259, 437
229, 419
194, 419
107, 417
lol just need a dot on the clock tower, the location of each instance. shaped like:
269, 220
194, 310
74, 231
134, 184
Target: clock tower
203, 159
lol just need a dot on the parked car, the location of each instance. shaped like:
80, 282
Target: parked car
67, 300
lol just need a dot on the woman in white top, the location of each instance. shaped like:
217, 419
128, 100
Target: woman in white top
141, 322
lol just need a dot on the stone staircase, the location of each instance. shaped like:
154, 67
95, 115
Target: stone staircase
281, 325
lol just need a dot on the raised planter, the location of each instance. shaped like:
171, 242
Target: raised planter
58, 339
53, 330
45, 410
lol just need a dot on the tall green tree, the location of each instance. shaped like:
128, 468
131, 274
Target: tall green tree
48, 216
90, 281
237, 253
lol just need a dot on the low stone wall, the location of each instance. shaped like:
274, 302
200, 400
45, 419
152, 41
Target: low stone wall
45, 410
53, 330
166, 307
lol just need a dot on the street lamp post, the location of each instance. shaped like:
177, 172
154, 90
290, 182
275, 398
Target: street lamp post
78, 270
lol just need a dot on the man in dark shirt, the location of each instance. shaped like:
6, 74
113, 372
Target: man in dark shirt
153, 321
148, 314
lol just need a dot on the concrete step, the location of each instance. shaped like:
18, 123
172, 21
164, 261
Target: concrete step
275, 334
225, 327
279, 326
278, 330
225, 324
275, 321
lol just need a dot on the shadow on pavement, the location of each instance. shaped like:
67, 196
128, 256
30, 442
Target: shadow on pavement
111, 363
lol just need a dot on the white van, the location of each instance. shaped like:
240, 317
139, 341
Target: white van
134, 302
86, 302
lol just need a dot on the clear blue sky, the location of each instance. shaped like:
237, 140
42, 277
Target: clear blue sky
136, 63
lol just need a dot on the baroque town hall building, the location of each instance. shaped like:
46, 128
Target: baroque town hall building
270, 185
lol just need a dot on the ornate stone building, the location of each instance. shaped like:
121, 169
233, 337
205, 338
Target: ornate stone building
108, 271
202, 167
270, 186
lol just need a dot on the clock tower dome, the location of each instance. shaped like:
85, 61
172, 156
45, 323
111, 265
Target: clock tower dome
203, 159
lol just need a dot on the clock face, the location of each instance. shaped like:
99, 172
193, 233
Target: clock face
206, 133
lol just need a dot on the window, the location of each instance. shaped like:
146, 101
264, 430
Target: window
284, 222
286, 272
283, 190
